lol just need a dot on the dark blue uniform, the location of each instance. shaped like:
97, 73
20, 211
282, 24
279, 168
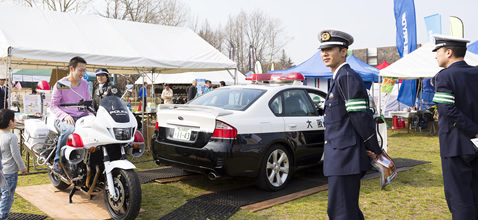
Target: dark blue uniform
3, 97
457, 102
350, 130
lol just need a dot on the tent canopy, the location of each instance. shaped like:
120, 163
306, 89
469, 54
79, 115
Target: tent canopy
188, 77
382, 65
420, 63
36, 38
314, 67
473, 47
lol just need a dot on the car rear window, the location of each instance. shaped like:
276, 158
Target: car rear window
229, 98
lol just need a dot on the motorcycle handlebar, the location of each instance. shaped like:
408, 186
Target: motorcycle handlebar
78, 104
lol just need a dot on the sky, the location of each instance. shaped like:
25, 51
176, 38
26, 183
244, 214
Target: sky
370, 22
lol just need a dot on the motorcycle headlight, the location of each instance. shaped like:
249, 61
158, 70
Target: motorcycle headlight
122, 133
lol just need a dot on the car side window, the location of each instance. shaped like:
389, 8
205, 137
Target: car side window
318, 100
297, 103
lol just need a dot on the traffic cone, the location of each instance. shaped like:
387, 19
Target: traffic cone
396, 125
402, 124
139, 106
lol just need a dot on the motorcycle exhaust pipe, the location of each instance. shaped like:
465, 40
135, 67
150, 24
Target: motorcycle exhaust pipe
212, 175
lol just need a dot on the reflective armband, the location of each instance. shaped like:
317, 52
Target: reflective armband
444, 98
356, 105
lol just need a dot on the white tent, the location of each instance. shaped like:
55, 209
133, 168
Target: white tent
188, 77
33, 38
420, 63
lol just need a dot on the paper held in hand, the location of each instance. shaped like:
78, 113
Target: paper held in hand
386, 167
475, 142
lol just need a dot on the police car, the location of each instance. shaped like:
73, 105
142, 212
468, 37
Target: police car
264, 131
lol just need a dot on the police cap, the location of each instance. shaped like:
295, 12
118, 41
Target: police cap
448, 41
102, 71
333, 38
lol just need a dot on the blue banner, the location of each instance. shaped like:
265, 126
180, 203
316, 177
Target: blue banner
406, 26
433, 23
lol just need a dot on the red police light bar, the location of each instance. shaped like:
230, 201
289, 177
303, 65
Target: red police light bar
274, 77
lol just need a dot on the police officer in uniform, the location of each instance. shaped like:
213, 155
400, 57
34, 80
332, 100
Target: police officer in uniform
456, 93
105, 87
350, 137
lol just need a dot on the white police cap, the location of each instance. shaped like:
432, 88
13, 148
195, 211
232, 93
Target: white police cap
448, 41
333, 38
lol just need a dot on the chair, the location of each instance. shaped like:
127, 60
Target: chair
424, 118
292, 107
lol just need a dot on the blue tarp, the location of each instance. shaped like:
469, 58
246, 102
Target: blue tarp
473, 47
314, 67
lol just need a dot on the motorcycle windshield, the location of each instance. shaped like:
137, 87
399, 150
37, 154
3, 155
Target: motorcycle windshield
116, 108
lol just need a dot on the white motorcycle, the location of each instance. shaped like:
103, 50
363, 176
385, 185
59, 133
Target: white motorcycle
94, 159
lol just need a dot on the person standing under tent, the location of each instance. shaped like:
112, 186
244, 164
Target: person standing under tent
192, 91
455, 98
350, 134
167, 94
105, 87
3, 93
143, 95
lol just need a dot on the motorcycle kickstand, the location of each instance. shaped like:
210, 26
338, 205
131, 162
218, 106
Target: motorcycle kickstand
72, 192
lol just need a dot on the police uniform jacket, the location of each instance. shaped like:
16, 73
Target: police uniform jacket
107, 90
456, 98
350, 129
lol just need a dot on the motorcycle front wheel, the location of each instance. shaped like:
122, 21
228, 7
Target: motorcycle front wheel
128, 189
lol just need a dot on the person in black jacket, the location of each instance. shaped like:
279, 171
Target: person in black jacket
3, 93
192, 91
350, 136
455, 97
105, 87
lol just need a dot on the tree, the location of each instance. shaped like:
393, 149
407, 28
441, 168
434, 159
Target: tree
213, 37
165, 12
265, 34
71, 6
284, 62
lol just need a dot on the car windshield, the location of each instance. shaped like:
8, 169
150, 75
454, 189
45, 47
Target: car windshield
229, 98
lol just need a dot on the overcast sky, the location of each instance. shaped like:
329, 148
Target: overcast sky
370, 22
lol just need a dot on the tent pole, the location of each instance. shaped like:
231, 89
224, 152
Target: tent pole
379, 95
9, 77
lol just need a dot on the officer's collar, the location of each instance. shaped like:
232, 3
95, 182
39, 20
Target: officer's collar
456, 63
337, 70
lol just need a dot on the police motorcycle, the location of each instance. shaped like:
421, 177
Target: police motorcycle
94, 159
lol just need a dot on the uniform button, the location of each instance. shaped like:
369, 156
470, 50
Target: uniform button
325, 115
325, 129
325, 142
330, 104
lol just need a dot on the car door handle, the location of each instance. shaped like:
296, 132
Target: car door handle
292, 126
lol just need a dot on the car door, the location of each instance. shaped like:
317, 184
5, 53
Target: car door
303, 125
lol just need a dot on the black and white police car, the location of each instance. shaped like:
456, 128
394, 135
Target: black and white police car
264, 131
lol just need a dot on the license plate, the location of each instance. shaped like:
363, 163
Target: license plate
182, 133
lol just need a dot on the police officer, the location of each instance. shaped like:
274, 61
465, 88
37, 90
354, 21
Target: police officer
105, 87
350, 130
456, 93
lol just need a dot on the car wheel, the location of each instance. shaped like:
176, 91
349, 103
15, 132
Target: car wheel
276, 169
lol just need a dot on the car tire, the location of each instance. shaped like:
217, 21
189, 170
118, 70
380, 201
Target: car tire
276, 169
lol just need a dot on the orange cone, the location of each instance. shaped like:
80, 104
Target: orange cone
139, 106
396, 125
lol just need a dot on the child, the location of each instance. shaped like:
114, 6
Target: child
12, 160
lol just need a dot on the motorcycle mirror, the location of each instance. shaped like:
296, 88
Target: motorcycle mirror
129, 87
65, 84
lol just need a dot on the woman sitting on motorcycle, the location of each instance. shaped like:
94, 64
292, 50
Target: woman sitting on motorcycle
105, 87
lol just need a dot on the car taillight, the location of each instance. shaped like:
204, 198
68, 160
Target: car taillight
224, 131
74, 140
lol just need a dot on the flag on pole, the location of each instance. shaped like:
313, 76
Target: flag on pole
231, 52
252, 59
406, 26
456, 27
433, 23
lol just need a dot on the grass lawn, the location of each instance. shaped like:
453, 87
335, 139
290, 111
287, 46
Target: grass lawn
414, 194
